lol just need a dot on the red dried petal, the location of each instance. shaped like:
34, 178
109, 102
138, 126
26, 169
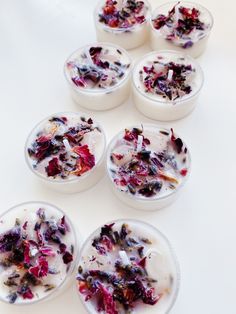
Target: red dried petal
142, 262
118, 156
107, 302
26, 252
184, 172
53, 167
47, 251
41, 269
67, 258
78, 81
86, 160
26, 292
44, 138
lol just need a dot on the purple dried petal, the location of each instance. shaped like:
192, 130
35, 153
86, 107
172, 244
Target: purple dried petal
10, 239
188, 44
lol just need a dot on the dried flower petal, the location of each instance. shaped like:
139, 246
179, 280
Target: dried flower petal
41, 268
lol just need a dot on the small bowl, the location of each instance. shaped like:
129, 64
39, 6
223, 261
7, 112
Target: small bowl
66, 160
144, 248
147, 166
129, 37
167, 37
98, 76
29, 257
154, 91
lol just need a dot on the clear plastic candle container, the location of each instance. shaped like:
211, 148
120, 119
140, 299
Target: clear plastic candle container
128, 266
166, 85
125, 23
38, 253
183, 26
147, 166
66, 151
98, 76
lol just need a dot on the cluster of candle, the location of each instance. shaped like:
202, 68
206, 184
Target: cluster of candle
166, 84
125, 266
182, 25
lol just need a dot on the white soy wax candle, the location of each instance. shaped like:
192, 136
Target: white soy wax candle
66, 151
147, 166
127, 266
123, 22
38, 253
98, 76
166, 85
183, 26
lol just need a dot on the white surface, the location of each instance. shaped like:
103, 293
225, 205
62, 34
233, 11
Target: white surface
36, 38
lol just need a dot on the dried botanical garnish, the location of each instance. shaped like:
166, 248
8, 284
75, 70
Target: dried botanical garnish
123, 15
62, 148
28, 251
148, 162
98, 67
122, 283
182, 25
169, 80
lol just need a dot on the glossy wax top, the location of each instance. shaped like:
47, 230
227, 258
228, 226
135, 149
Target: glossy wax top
147, 162
97, 68
65, 147
122, 15
167, 76
127, 265
182, 23
38, 249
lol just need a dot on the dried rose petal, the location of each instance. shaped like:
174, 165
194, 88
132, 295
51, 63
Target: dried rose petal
41, 268
53, 167
86, 160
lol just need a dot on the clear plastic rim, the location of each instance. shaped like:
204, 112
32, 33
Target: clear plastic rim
61, 181
172, 3
93, 91
166, 240
129, 195
177, 101
120, 30
76, 250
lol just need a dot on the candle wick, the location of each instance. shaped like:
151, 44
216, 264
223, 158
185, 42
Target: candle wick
124, 257
177, 14
170, 75
90, 61
89, 58
67, 145
139, 143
